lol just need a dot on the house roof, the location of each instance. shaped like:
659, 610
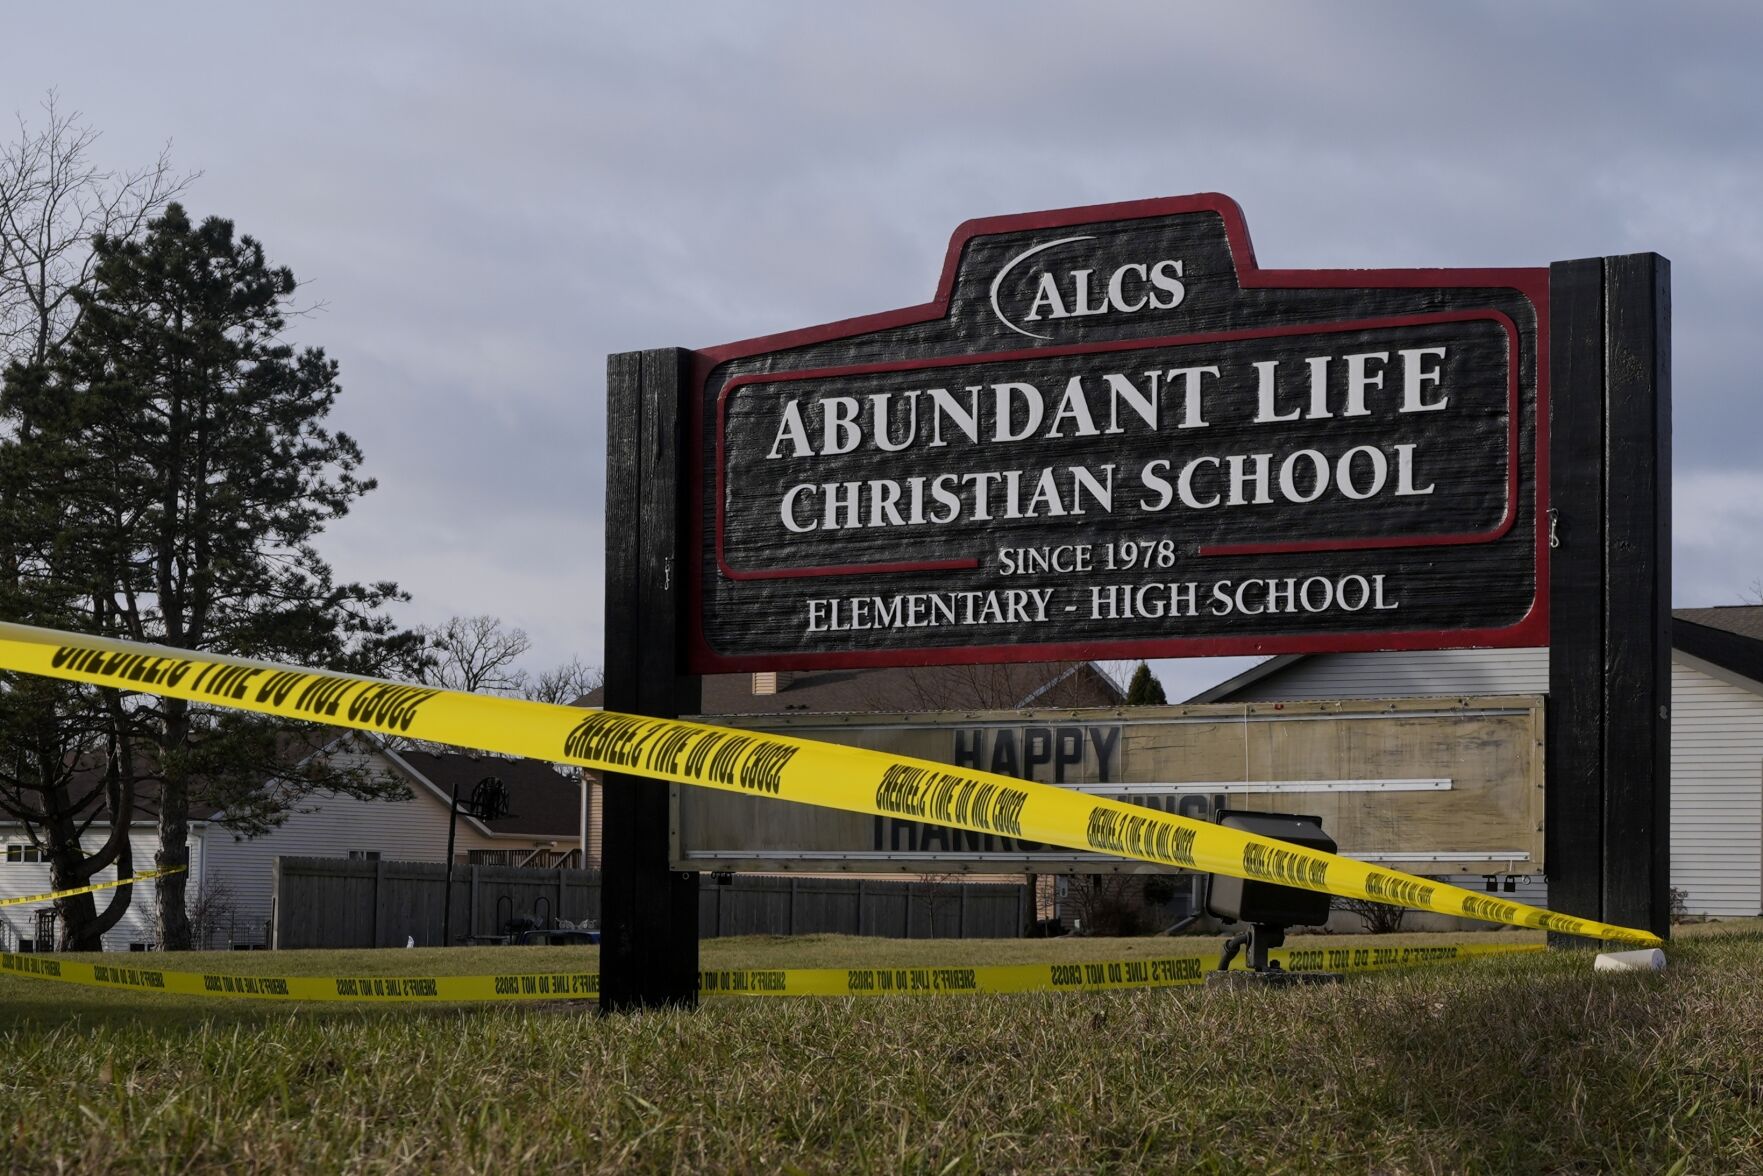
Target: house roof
1729, 636
909, 688
1248, 677
541, 801
1744, 620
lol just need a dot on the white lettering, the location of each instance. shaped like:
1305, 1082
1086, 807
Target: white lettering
1415, 379
1359, 378
792, 429
1267, 370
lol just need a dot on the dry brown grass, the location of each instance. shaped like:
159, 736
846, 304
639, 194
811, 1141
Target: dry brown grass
1528, 1064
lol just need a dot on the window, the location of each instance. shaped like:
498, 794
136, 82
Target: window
25, 853
364, 855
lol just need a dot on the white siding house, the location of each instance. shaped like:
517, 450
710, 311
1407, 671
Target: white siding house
26, 876
543, 829
1716, 734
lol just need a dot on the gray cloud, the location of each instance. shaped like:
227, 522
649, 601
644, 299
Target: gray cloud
488, 200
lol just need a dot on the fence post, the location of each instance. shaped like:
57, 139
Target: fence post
559, 912
472, 924
379, 902
961, 917
792, 922
860, 906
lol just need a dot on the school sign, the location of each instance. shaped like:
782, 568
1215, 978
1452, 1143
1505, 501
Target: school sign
1111, 434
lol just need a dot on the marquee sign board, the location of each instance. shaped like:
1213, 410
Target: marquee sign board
1431, 786
1112, 434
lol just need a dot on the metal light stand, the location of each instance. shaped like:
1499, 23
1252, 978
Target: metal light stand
489, 802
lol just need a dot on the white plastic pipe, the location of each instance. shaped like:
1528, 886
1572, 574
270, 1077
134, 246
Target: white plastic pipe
1649, 959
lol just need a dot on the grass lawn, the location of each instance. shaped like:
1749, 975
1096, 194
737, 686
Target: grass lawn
1529, 1063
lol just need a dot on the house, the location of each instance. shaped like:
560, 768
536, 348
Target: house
897, 689
24, 871
1716, 734
230, 878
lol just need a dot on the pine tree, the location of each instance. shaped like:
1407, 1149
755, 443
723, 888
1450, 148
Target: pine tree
1145, 689
183, 445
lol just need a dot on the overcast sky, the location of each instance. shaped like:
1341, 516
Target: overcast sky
488, 199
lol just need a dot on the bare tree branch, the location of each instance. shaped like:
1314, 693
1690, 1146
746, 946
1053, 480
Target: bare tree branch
476, 655
564, 684
54, 200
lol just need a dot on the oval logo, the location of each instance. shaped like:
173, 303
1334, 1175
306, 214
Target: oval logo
1047, 294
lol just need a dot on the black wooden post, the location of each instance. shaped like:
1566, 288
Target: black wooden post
1608, 785
648, 912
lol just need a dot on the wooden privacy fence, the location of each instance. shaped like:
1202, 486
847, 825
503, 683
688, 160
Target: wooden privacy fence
338, 903
770, 905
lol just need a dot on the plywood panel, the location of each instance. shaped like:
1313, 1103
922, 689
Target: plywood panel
1423, 784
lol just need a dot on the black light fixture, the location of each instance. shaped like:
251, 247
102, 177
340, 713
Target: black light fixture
1267, 907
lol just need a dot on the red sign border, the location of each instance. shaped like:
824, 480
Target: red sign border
1531, 630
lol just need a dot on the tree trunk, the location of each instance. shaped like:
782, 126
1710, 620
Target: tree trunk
174, 834
82, 927
78, 913
174, 851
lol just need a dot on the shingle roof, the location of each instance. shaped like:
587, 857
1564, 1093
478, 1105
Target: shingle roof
1729, 635
542, 802
1744, 619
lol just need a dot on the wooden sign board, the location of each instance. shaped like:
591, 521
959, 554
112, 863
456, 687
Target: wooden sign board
1431, 786
1112, 434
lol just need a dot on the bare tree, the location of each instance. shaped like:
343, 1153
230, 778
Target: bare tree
1379, 918
476, 655
943, 896
565, 683
480, 654
1110, 904
213, 912
55, 200
1119, 673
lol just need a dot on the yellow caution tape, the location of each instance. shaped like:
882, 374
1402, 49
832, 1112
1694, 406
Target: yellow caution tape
547, 986
755, 763
1102, 976
1107, 975
54, 894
